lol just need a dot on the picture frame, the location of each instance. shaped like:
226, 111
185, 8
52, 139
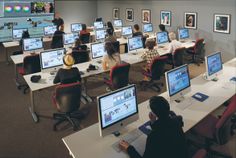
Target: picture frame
116, 13
222, 23
129, 14
165, 17
190, 20
146, 16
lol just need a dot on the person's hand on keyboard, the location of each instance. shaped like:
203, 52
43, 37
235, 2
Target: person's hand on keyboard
124, 145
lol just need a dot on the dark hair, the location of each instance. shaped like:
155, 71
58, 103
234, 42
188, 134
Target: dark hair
25, 34
109, 31
136, 27
150, 44
159, 106
78, 42
162, 27
109, 25
110, 49
84, 27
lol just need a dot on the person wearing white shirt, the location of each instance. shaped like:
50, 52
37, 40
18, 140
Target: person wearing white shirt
174, 44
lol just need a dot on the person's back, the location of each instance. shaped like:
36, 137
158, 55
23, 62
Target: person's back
110, 37
137, 31
57, 39
174, 44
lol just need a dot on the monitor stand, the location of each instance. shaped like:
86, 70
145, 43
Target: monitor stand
135, 52
215, 79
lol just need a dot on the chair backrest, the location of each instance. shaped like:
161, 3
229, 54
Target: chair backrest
144, 38
57, 41
68, 97
31, 64
119, 75
157, 67
17, 52
198, 47
80, 56
85, 38
223, 126
178, 57
116, 46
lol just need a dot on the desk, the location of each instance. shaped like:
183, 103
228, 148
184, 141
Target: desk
99, 147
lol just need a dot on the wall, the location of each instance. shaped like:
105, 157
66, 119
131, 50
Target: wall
226, 43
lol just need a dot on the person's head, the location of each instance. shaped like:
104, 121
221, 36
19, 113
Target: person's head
109, 25
110, 49
25, 34
78, 42
109, 32
136, 28
68, 61
57, 15
84, 27
159, 106
172, 36
150, 44
61, 28
162, 27
47, 7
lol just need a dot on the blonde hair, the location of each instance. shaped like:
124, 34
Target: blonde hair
68, 60
172, 36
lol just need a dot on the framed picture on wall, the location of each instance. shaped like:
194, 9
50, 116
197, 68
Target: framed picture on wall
129, 14
190, 20
116, 13
222, 23
146, 16
166, 17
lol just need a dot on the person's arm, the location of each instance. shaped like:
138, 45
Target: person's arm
170, 49
57, 77
104, 63
144, 55
78, 75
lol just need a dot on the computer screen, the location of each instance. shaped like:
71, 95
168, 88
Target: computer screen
77, 27
98, 25
6, 35
162, 37
147, 28
36, 31
51, 58
178, 80
135, 43
70, 38
183, 33
118, 23
117, 106
30, 44
127, 30
214, 63
100, 34
98, 50
17, 33
49, 30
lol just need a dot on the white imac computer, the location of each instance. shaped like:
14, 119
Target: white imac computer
117, 23
183, 34
126, 31
69, 39
17, 33
98, 25
178, 83
117, 109
147, 28
162, 37
76, 27
32, 45
98, 50
213, 66
49, 30
100, 34
51, 60
135, 43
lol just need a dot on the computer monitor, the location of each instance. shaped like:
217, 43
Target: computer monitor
117, 23
49, 30
126, 31
147, 28
117, 109
100, 34
178, 82
213, 66
69, 38
98, 25
98, 50
51, 60
32, 45
76, 27
36, 31
183, 33
162, 37
17, 33
135, 43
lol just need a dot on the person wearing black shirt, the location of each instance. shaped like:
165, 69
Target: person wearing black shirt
57, 21
166, 139
57, 39
137, 31
67, 74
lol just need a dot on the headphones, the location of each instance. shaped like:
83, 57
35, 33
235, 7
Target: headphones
64, 62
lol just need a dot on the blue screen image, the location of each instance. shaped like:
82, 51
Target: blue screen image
183, 33
214, 63
162, 37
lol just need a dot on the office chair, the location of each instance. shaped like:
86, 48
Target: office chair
217, 130
67, 101
116, 46
155, 71
31, 64
144, 38
119, 76
80, 56
17, 52
200, 154
196, 50
178, 57
85, 38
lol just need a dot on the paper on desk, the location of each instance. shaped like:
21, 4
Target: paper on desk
140, 144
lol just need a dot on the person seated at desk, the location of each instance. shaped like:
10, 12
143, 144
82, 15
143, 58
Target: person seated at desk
137, 31
79, 46
67, 74
110, 26
57, 39
84, 30
57, 21
174, 44
110, 37
112, 58
167, 139
163, 29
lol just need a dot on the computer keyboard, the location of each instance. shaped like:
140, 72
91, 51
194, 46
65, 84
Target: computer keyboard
129, 137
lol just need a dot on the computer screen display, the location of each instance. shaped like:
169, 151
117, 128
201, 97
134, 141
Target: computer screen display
147, 28
49, 30
162, 37
127, 30
5, 35
135, 43
17, 33
30, 44
36, 31
214, 63
98, 25
183, 33
100, 34
97, 50
51, 58
117, 23
178, 80
117, 106
77, 27
70, 38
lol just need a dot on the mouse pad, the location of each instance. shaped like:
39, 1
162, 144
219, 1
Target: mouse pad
203, 97
233, 79
145, 128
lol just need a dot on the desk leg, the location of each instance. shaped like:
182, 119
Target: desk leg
31, 108
84, 92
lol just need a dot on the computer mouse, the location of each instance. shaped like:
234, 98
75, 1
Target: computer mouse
198, 96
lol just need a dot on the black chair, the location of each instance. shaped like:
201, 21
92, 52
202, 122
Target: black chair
178, 57
119, 76
80, 56
144, 38
196, 51
116, 46
157, 69
85, 38
17, 52
67, 101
